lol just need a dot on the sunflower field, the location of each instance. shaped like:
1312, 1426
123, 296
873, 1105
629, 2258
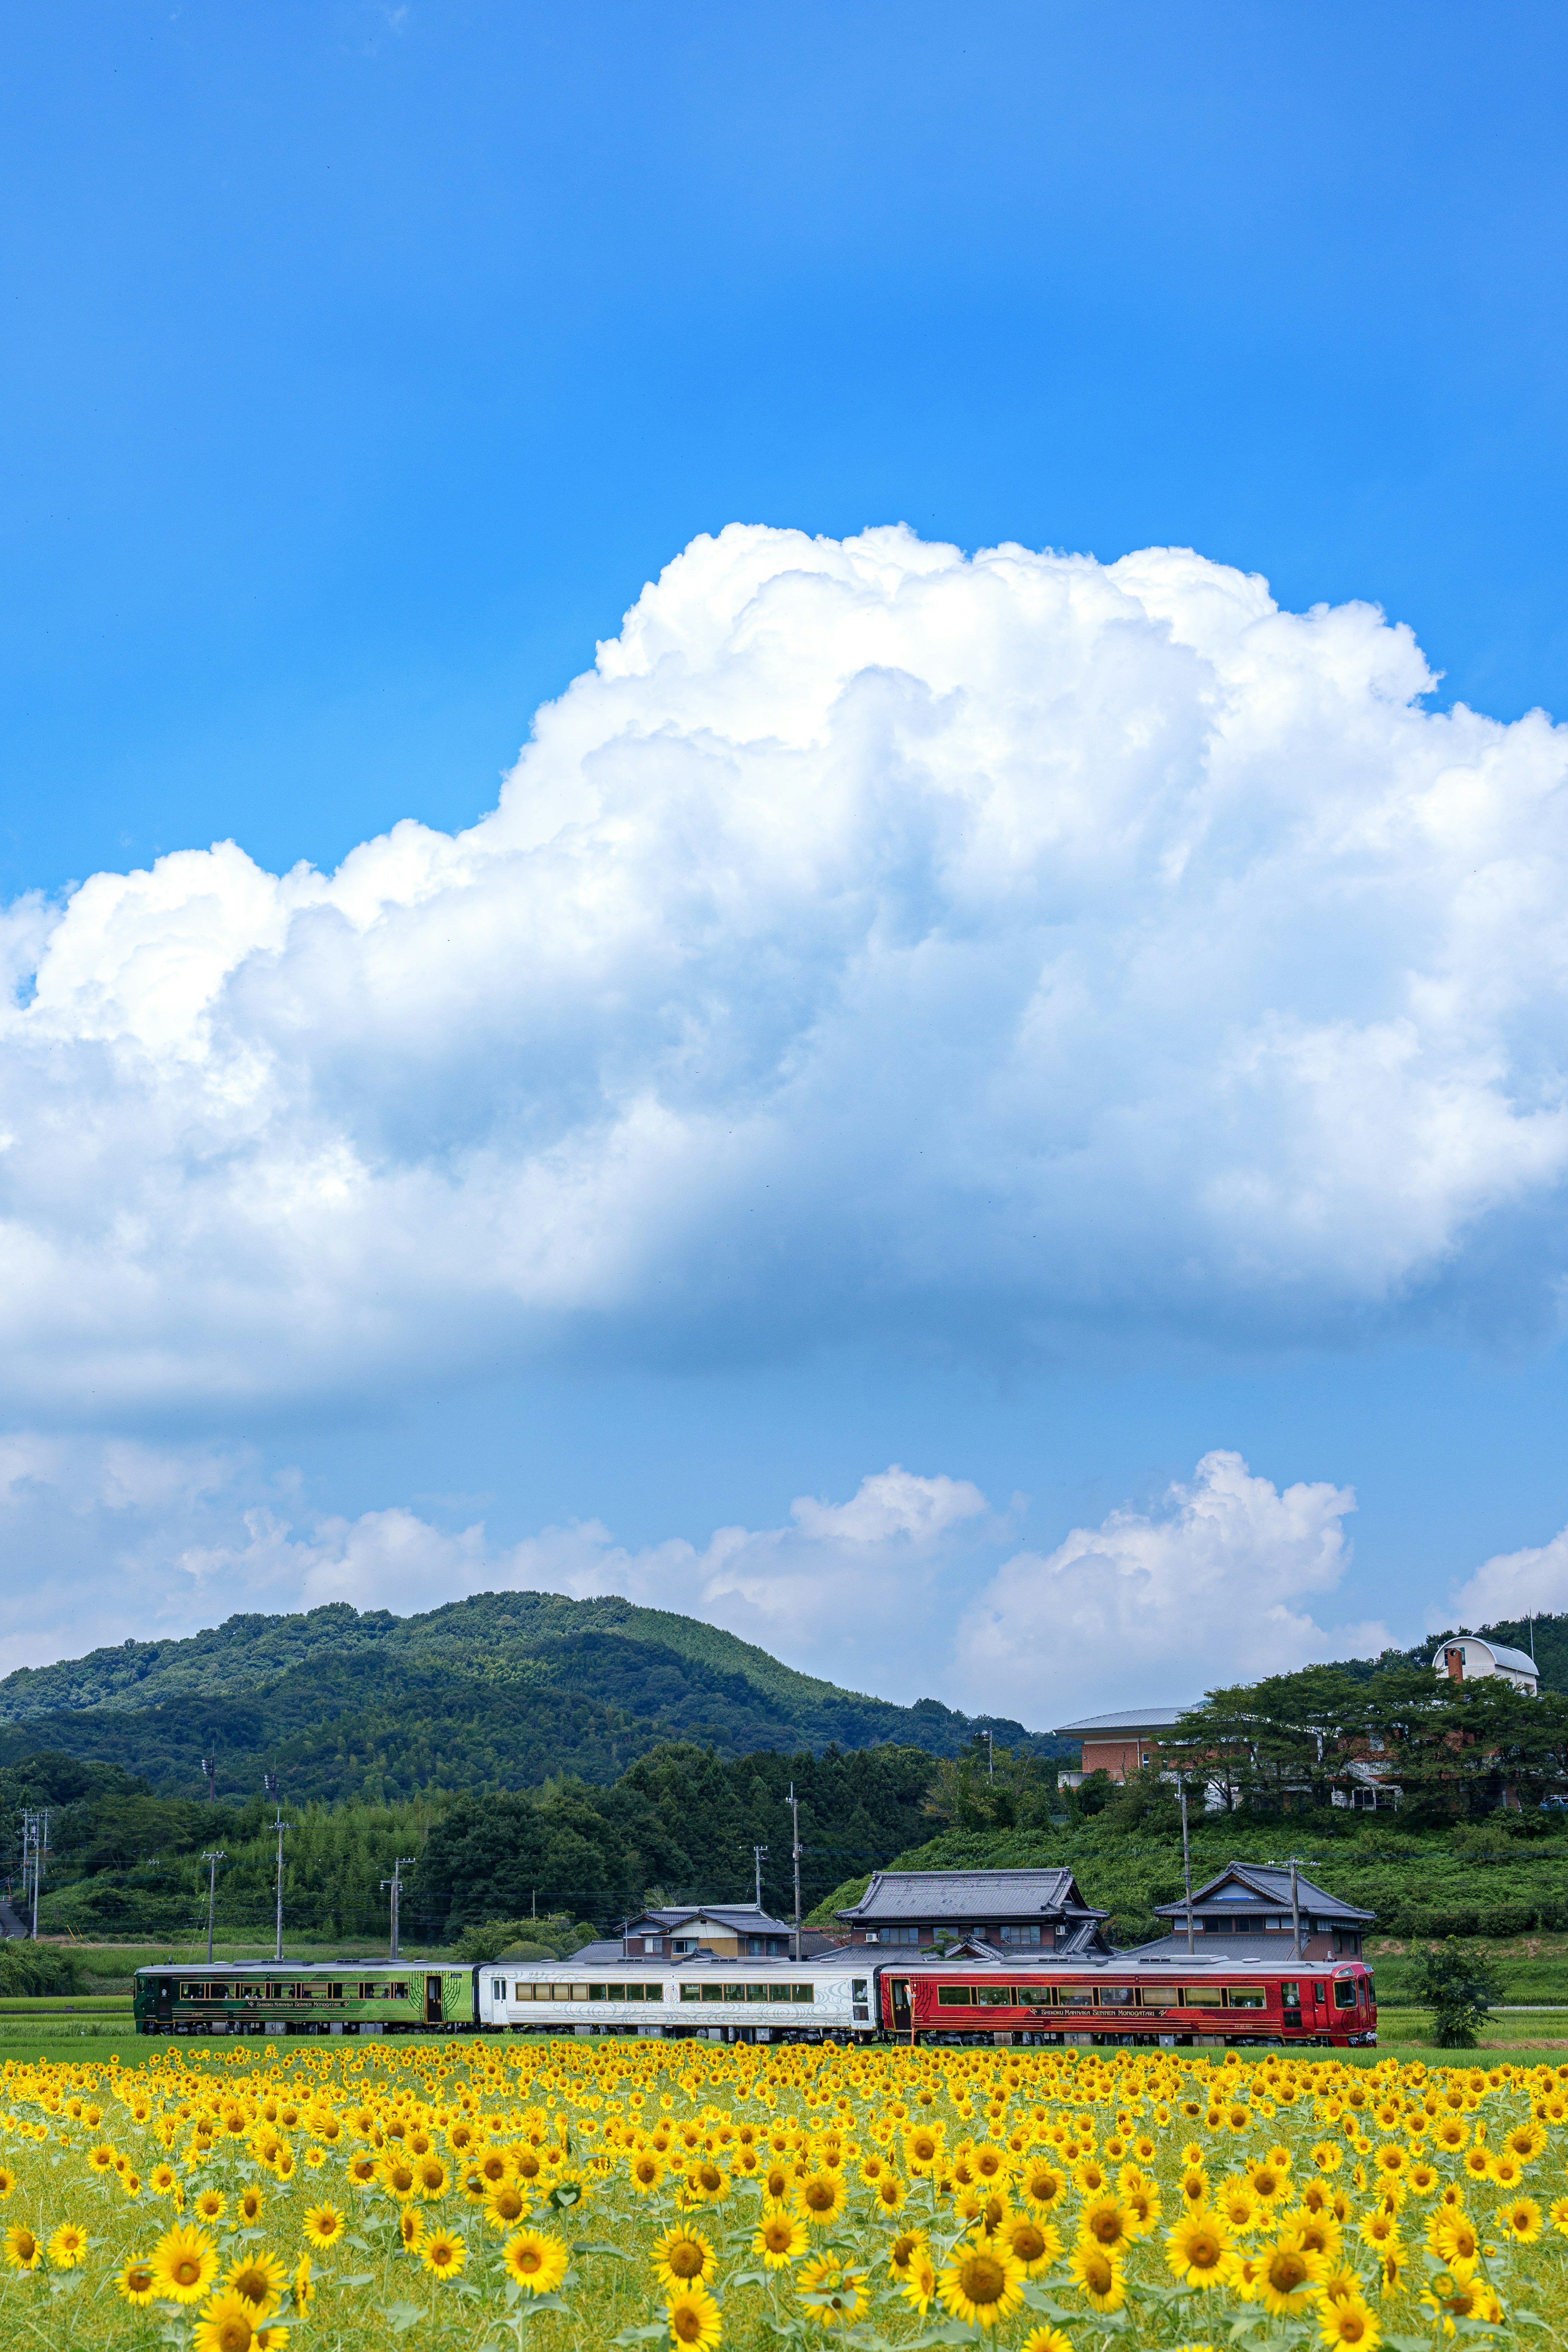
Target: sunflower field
535, 2196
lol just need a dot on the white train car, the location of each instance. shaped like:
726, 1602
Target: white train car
718, 2000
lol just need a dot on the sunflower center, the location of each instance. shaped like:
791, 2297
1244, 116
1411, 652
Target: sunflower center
687, 2260
1028, 2243
186, 2271
1286, 2272
983, 2280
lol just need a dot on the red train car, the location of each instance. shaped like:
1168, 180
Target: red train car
1206, 2000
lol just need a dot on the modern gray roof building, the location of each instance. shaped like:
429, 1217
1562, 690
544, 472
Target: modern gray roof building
1009, 1908
1249, 1906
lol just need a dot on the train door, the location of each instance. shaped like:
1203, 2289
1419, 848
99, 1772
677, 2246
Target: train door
899, 1998
1291, 1997
165, 2009
432, 2000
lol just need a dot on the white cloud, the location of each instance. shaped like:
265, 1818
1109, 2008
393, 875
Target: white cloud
874, 940
1156, 1608
866, 1592
1511, 1585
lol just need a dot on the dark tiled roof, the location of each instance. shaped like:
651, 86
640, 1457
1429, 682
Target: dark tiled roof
1266, 1886
973, 1897
744, 1918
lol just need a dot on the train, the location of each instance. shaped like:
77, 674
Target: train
843, 1995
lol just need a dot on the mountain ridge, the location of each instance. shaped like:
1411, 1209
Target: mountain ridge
497, 1690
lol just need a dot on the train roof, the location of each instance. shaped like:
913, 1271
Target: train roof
296, 1968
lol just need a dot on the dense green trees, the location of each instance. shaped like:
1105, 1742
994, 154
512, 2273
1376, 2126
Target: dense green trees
681, 1825
499, 1691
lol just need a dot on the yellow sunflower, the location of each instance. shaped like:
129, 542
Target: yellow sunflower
694, 2320
1290, 2277
186, 2261
229, 2324
782, 2239
536, 2260
1520, 2219
323, 2225
821, 2197
137, 2281
1033, 2242
1198, 2249
259, 2278
1098, 2275
66, 2246
443, 2253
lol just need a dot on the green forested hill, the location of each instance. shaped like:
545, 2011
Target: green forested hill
503, 1690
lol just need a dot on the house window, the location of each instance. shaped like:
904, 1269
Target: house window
684, 1944
1020, 1935
900, 1934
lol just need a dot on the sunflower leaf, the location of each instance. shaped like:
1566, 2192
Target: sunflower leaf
599, 2246
400, 2316
356, 2278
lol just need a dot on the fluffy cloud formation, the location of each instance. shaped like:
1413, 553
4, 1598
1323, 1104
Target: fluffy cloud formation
874, 940
1159, 1607
1511, 1585
865, 1593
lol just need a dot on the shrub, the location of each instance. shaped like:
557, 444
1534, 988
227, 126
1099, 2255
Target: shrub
1458, 1986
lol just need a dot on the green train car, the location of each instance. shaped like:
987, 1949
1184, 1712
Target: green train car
317, 1997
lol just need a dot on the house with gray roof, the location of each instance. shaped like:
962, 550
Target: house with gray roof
1119, 1743
1018, 1911
1245, 1915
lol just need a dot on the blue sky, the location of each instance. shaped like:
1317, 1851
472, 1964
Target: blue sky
367, 362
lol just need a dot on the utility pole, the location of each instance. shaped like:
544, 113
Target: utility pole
1295, 1913
281, 1825
1186, 1859
396, 1883
209, 1765
212, 1861
757, 1854
991, 1756
792, 1802
37, 1823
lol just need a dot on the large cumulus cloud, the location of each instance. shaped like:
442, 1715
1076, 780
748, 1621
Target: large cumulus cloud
876, 940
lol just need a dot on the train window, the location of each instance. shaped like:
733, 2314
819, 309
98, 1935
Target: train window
597, 1992
191, 1991
303, 1991
277, 1992
1202, 1997
1118, 1995
1036, 1996
733, 1992
334, 1992
994, 1996
1344, 1992
1247, 1997
653, 1992
712, 1992
778, 1992
1370, 1994
521, 1991
498, 1987
1075, 1996
1290, 1994
859, 1989
1319, 1993
690, 1992
803, 1992
395, 1993
953, 1996
757, 1992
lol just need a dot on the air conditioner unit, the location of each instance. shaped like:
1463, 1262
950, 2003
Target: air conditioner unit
872, 1936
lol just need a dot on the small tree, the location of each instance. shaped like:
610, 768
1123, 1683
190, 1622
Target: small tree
1458, 1986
